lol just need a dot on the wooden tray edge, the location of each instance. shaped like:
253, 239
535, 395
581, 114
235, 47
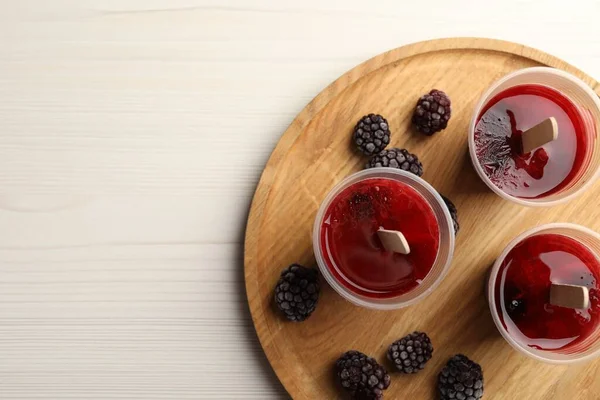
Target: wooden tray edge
290, 135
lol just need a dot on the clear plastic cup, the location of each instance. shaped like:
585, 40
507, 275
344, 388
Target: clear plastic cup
445, 251
582, 351
589, 106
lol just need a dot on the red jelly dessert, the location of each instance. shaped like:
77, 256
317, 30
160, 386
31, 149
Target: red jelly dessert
522, 291
544, 171
352, 250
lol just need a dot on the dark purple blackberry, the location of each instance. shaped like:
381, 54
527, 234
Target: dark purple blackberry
371, 134
297, 292
432, 113
461, 379
397, 158
453, 212
411, 353
362, 376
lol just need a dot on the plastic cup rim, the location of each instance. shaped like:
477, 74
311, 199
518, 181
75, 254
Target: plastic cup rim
523, 201
332, 281
532, 353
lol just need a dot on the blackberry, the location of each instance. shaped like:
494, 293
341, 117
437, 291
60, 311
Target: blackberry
461, 379
397, 158
371, 134
432, 112
297, 292
411, 353
362, 376
453, 212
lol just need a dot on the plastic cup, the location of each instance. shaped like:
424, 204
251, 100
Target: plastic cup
586, 349
588, 104
445, 251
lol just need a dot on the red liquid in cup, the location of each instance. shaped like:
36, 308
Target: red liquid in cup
353, 251
522, 292
545, 170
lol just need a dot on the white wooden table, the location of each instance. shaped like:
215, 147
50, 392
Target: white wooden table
132, 135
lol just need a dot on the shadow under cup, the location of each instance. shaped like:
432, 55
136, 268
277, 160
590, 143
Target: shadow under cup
588, 105
583, 350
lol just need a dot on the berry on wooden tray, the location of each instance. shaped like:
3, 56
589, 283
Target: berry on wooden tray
461, 379
297, 292
372, 134
432, 112
397, 158
361, 376
411, 353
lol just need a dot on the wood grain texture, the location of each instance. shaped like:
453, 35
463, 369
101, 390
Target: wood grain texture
121, 225
315, 153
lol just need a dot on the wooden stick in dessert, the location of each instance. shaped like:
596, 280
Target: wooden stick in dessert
537, 136
393, 241
570, 296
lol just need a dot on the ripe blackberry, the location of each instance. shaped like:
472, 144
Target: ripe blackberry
411, 353
432, 112
397, 158
461, 379
362, 376
297, 292
371, 134
453, 212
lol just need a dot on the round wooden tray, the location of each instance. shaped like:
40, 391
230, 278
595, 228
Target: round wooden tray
315, 153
